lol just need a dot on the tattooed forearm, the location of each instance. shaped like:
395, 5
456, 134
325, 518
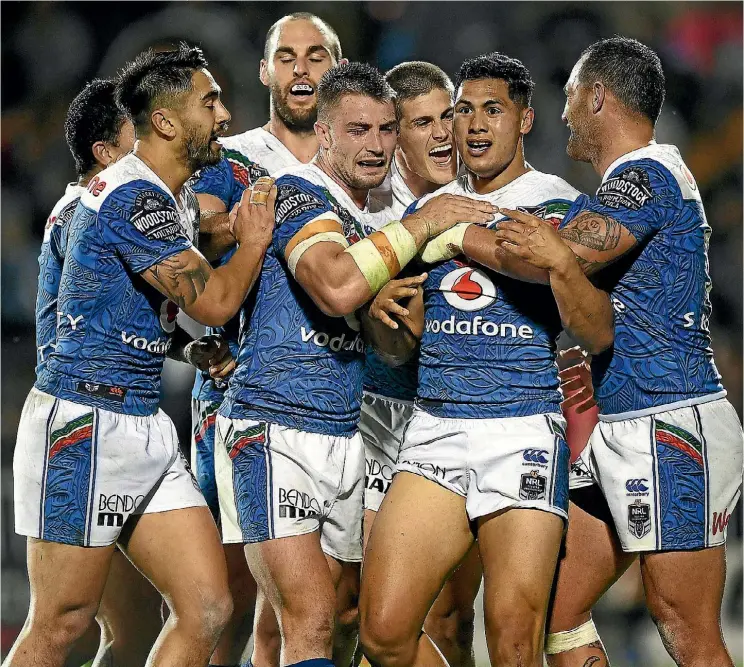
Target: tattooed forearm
593, 230
590, 267
183, 277
591, 661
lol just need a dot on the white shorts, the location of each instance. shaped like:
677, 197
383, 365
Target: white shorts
496, 464
382, 425
80, 472
274, 481
671, 479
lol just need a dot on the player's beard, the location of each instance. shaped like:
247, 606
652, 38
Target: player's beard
300, 121
582, 141
199, 151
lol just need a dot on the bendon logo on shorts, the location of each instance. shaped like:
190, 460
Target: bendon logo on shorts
111, 509
468, 289
478, 327
294, 504
336, 344
379, 477
157, 346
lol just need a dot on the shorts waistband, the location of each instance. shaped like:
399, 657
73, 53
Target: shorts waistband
635, 414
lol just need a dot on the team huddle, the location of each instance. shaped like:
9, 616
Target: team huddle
379, 422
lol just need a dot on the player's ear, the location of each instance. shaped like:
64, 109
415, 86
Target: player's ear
323, 132
164, 122
343, 61
598, 96
528, 118
263, 72
101, 154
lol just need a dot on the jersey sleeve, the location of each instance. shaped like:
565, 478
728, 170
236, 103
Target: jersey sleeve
218, 181
140, 221
411, 208
298, 203
642, 195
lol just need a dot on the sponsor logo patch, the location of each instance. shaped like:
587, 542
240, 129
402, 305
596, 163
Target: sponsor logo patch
533, 486
637, 487
334, 343
110, 392
379, 477
629, 189
294, 504
639, 519
291, 202
468, 289
720, 522
156, 217
538, 456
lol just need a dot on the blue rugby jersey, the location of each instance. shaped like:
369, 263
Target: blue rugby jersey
662, 356
51, 259
246, 157
488, 349
297, 366
114, 329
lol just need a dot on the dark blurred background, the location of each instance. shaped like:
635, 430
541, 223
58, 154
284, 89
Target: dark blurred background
50, 49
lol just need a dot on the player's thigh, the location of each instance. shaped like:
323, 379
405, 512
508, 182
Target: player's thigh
685, 588
293, 574
519, 551
180, 552
65, 580
369, 521
420, 536
591, 562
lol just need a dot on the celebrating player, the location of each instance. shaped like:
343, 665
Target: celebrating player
287, 441
96, 462
424, 160
666, 456
484, 454
299, 49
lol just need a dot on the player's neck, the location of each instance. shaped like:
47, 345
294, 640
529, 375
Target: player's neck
172, 171
87, 177
619, 142
303, 145
418, 185
359, 197
516, 168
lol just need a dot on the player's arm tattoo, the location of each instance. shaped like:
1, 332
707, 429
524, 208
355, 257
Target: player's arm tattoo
597, 240
182, 277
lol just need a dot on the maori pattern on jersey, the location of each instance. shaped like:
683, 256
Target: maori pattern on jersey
681, 487
660, 292
245, 171
251, 460
70, 462
296, 366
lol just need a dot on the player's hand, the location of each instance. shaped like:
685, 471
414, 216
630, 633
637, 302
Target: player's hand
445, 211
576, 380
209, 352
253, 220
387, 298
533, 240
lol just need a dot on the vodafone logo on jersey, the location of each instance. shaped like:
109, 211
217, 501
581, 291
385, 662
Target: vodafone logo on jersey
468, 289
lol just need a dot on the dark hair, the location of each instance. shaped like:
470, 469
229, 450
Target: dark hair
351, 78
326, 29
156, 78
498, 66
93, 116
416, 78
631, 70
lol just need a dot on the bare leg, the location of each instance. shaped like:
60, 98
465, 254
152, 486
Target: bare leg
67, 583
420, 536
684, 590
180, 553
592, 563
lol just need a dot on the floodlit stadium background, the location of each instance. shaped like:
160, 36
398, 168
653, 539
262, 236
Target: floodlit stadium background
49, 50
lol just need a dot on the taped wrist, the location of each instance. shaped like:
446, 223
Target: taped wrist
383, 254
445, 246
559, 642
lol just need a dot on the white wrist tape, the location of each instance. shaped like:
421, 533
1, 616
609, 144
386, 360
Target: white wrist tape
559, 642
445, 246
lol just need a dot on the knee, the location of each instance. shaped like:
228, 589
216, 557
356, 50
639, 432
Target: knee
64, 627
206, 614
514, 633
385, 642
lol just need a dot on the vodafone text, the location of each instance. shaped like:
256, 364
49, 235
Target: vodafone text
477, 327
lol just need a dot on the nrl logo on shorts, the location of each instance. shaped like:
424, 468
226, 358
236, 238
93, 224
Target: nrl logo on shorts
532, 486
639, 519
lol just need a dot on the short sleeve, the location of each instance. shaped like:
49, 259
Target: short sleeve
298, 202
642, 196
140, 221
411, 208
